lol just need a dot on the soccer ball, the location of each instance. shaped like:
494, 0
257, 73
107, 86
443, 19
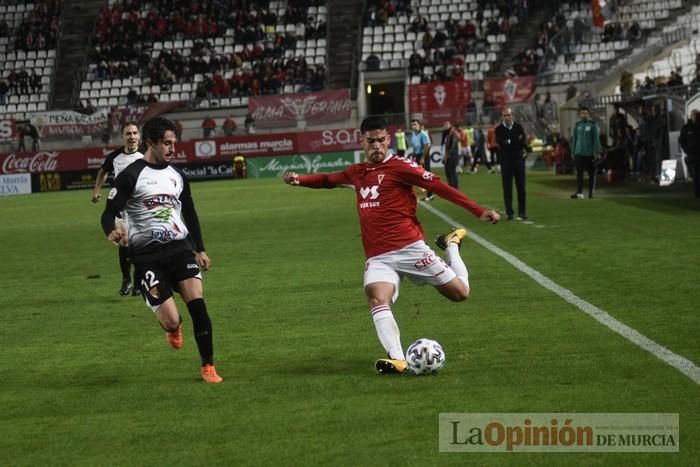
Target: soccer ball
425, 357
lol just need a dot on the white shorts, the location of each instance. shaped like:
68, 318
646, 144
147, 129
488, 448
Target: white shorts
416, 261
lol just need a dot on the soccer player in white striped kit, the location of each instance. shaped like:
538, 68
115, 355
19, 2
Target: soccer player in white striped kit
165, 239
392, 236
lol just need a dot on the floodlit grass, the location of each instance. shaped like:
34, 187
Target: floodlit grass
87, 377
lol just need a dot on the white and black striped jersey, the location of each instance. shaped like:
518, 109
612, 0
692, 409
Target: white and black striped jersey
118, 160
161, 212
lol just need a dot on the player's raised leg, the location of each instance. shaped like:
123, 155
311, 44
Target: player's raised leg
458, 288
379, 298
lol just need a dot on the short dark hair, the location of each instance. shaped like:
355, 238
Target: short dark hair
154, 129
372, 123
583, 107
126, 124
415, 120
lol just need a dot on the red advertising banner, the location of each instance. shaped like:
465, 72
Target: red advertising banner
434, 103
8, 129
140, 113
329, 140
314, 108
509, 90
249, 145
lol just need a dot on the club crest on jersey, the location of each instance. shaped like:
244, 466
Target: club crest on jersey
428, 176
112, 193
160, 200
380, 177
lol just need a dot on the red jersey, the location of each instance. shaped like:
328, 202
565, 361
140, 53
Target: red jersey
386, 202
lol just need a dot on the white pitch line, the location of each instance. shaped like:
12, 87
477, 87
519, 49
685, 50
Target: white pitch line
682, 364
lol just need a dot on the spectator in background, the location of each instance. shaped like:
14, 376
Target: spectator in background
626, 82
132, 97
4, 89
618, 120
659, 136
451, 155
208, 127
420, 142
549, 109
33, 133
400, 142
229, 126
178, 130
35, 82
21, 134
23, 81
249, 124
106, 136
240, 168
689, 140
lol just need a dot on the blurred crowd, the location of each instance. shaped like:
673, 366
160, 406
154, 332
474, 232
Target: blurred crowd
124, 34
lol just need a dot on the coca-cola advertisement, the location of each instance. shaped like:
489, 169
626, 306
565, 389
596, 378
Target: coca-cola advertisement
435, 103
45, 161
69, 123
510, 90
8, 129
314, 108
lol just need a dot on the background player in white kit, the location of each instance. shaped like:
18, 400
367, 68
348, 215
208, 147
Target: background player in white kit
115, 162
392, 236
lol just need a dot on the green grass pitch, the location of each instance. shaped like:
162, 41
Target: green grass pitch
87, 378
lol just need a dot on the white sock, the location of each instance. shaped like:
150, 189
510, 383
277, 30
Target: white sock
388, 331
457, 263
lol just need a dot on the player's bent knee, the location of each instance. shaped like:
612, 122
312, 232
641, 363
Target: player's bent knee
375, 301
460, 294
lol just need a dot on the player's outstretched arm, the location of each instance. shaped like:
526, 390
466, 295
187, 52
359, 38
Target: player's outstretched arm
490, 216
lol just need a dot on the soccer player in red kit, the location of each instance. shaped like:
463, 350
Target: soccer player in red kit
392, 236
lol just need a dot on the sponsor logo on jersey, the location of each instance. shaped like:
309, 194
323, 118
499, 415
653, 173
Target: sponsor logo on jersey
425, 262
160, 200
372, 191
163, 235
163, 214
112, 193
192, 266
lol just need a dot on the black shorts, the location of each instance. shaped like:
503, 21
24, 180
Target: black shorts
159, 278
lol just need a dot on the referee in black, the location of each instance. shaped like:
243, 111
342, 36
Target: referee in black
512, 142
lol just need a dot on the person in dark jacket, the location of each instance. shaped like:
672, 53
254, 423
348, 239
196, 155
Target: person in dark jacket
689, 140
511, 141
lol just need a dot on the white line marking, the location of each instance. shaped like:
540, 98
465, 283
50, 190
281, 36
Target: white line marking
682, 364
